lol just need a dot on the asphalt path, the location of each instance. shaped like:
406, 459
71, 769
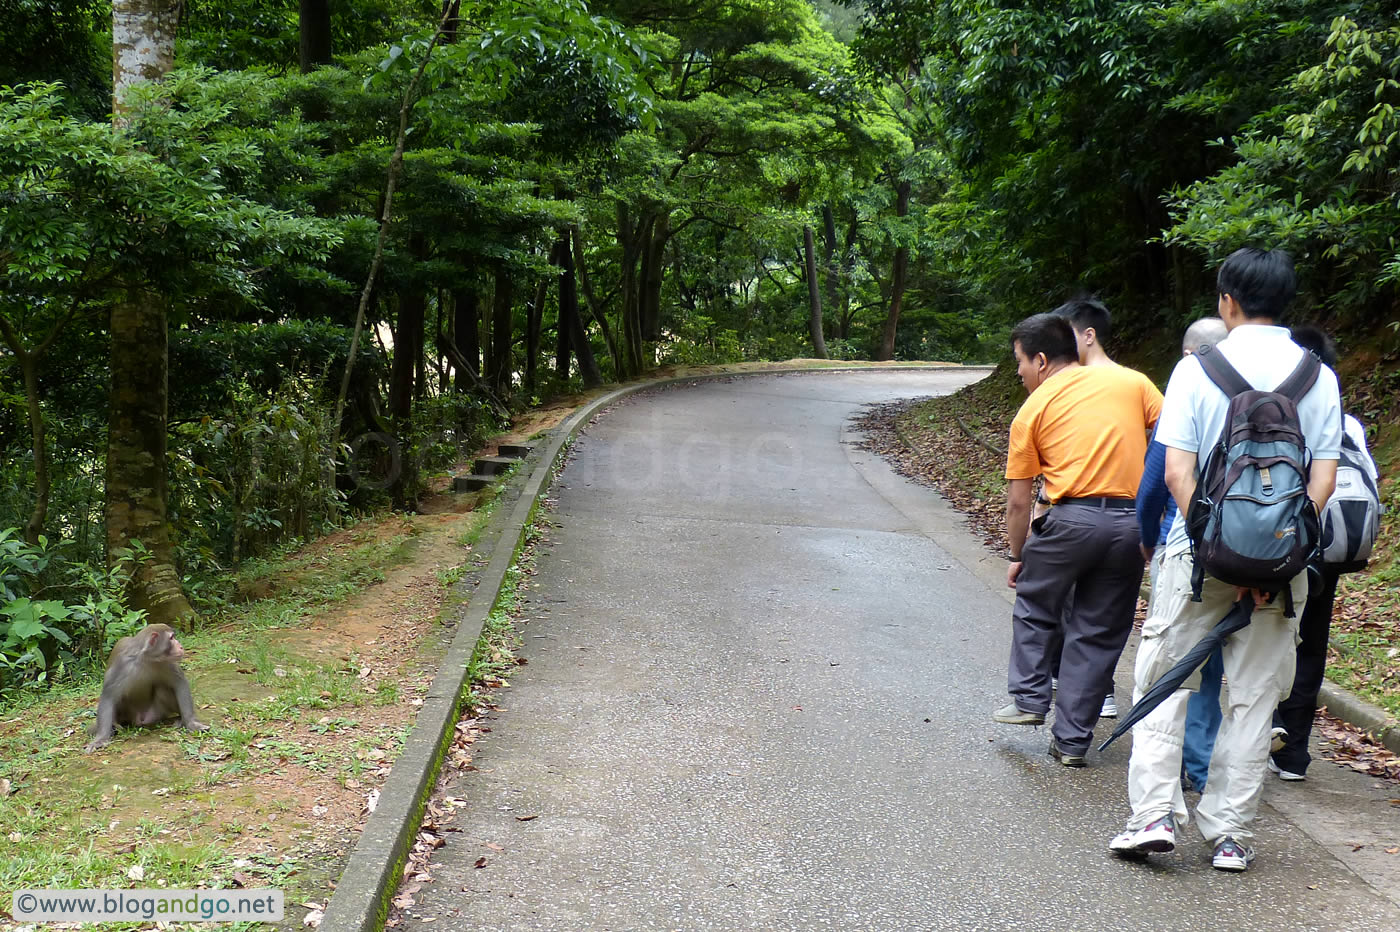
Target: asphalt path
761, 673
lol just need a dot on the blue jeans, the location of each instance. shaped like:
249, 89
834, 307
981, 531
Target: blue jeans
1202, 722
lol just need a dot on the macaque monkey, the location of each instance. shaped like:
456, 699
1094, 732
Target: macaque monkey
144, 685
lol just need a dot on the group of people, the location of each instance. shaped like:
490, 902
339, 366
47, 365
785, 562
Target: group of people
1118, 464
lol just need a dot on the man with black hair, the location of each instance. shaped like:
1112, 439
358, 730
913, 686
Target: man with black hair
1254, 289
1084, 429
1090, 320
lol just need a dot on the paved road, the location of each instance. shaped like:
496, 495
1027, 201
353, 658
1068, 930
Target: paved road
761, 669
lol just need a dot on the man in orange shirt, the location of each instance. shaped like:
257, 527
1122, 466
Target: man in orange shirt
1084, 429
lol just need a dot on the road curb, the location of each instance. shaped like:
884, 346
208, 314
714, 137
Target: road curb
370, 877
1354, 710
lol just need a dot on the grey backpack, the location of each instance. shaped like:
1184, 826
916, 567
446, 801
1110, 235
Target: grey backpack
1250, 521
1351, 519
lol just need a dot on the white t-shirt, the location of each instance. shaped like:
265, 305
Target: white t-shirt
1194, 408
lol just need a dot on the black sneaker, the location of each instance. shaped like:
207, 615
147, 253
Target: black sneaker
1230, 855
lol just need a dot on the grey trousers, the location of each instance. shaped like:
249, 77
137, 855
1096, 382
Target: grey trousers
1092, 551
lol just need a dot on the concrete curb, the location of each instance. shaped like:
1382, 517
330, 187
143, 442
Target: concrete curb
1354, 710
361, 899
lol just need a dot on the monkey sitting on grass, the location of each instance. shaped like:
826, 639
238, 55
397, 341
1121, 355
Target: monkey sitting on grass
144, 685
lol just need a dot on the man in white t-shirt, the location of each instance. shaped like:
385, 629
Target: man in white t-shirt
1255, 287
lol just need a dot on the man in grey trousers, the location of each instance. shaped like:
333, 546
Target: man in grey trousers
1084, 429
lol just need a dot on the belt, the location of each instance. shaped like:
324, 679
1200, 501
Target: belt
1124, 504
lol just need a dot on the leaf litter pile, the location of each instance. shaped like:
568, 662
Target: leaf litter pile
955, 443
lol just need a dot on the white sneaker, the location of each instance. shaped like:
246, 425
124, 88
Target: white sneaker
1110, 707
1288, 775
1278, 737
1157, 837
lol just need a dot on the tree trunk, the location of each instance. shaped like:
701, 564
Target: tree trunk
829, 270
143, 49
136, 444
408, 349
465, 317
814, 293
653, 273
403, 377
628, 239
143, 43
29, 366
562, 335
533, 325
501, 331
571, 320
450, 11
599, 315
899, 279
34, 527
315, 28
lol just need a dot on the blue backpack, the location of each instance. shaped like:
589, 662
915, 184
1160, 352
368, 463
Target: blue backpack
1250, 520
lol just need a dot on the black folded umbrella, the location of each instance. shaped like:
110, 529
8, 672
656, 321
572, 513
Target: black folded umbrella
1170, 681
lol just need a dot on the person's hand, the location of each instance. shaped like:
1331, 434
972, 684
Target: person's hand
1146, 552
1012, 571
1260, 597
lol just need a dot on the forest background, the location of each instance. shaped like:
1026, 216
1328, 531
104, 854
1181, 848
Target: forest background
581, 193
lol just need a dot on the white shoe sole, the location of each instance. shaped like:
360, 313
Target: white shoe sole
1286, 775
1141, 843
1230, 864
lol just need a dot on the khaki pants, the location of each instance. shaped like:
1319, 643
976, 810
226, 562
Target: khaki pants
1259, 663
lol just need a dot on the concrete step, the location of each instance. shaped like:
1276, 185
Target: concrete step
517, 450
471, 483
493, 465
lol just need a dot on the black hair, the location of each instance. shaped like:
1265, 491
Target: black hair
1316, 341
1050, 334
1087, 312
1261, 281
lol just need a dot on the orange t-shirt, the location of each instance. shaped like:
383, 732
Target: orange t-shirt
1085, 430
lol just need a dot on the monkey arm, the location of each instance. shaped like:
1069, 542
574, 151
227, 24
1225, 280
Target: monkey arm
106, 720
185, 699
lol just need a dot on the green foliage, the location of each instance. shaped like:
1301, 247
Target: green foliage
1318, 174
41, 636
262, 474
63, 41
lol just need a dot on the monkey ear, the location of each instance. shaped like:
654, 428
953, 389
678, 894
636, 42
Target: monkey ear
151, 641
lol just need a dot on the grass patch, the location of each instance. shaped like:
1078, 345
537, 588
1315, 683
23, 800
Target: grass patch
494, 656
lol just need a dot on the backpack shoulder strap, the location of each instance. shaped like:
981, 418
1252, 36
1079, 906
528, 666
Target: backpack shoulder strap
1219, 370
1301, 380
